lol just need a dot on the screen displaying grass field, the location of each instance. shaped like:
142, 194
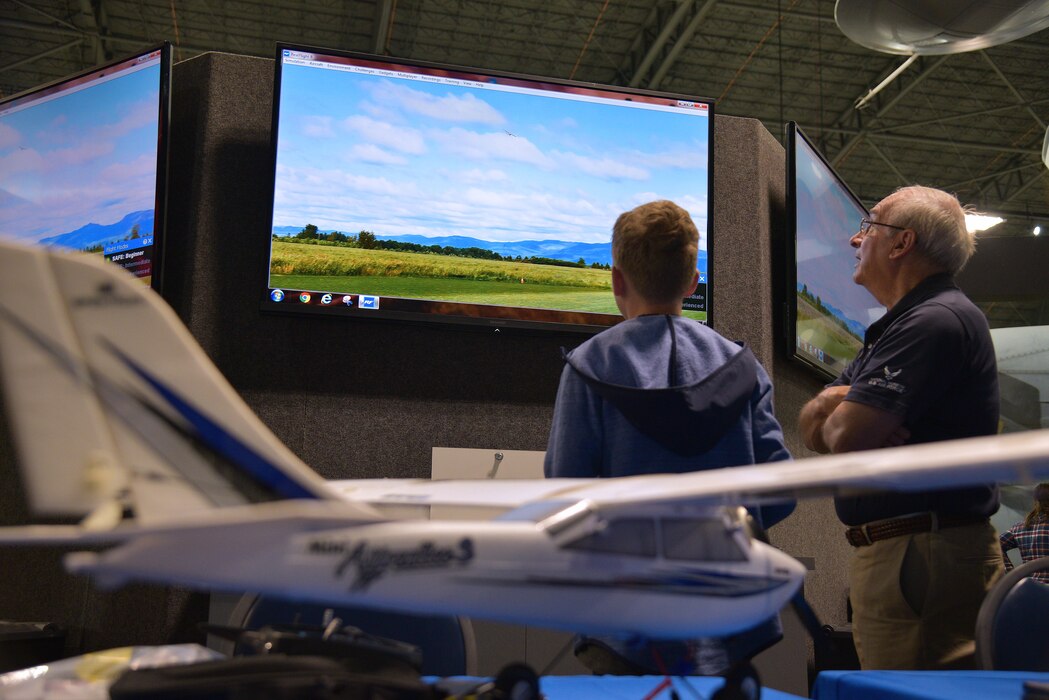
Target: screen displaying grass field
473, 195
833, 312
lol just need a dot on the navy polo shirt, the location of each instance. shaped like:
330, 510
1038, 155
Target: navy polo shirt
930, 359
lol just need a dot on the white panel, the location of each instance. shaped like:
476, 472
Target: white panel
473, 463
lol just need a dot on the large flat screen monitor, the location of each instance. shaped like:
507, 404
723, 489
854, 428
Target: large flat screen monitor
827, 313
83, 162
423, 192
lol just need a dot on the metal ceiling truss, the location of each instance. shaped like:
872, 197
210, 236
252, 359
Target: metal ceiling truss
667, 31
975, 128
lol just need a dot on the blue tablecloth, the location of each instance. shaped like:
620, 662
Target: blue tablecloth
923, 685
636, 688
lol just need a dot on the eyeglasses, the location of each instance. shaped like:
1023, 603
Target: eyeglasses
865, 226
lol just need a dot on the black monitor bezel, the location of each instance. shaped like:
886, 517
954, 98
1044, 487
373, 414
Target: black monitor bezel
160, 202
482, 323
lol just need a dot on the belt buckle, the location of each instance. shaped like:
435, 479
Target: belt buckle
859, 531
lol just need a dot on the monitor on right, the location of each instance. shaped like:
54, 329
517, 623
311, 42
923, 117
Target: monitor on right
827, 313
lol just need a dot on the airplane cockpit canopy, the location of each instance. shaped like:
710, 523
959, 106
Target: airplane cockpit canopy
676, 538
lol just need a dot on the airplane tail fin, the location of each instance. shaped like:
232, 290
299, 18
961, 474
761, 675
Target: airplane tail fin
112, 405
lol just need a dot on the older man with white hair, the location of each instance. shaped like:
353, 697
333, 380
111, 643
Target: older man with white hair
922, 562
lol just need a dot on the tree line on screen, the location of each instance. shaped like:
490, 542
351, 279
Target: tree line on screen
368, 241
817, 303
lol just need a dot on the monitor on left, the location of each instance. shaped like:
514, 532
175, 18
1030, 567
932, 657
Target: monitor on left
83, 162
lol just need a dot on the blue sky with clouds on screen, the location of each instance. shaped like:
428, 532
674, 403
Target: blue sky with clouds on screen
86, 157
827, 219
402, 157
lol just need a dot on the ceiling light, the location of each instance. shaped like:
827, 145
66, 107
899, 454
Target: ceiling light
1037, 230
981, 222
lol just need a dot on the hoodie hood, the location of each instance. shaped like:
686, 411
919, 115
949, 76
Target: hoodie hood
686, 417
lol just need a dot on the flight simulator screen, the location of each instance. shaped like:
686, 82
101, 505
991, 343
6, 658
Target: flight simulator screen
828, 312
82, 162
424, 192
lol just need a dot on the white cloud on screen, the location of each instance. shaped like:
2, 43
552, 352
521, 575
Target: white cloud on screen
569, 218
686, 155
318, 127
808, 248
817, 180
141, 114
465, 108
19, 162
336, 182
482, 176
303, 194
370, 153
508, 216
332, 199
18, 167
141, 168
54, 131
59, 202
80, 154
398, 138
695, 205
559, 129
604, 168
71, 170
9, 136
495, 145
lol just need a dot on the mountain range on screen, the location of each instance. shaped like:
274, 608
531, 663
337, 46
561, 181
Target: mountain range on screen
97, 234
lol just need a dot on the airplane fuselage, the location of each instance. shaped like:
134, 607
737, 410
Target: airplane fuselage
468, 568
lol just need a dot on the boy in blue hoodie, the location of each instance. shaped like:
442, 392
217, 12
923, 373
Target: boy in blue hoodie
662, 393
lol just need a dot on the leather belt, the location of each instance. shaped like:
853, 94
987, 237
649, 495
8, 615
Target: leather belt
864, 535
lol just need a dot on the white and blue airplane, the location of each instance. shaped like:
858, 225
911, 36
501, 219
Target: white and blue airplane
120, 420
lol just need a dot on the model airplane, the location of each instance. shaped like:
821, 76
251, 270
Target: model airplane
118, 416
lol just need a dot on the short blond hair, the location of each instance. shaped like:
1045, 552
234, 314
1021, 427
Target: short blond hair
655, 245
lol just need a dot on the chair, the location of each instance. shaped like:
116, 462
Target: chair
447, 642
1010, 627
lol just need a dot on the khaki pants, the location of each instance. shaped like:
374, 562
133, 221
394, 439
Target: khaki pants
915, 598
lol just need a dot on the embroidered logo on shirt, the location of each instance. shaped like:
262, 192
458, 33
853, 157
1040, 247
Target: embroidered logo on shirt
888, 381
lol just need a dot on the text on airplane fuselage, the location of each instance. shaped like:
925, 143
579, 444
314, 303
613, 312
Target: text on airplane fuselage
370, 562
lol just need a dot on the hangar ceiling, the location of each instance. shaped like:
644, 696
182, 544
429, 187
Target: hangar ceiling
970, 123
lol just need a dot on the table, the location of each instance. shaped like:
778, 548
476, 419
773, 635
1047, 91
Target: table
923, 685
637, 688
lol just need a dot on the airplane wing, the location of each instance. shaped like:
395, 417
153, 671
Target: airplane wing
1015, 458
111, 400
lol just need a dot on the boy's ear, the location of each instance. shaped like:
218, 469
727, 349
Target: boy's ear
618, 282
690, 290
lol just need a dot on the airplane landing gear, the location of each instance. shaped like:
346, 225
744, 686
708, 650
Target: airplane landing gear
741, 683
517, 682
